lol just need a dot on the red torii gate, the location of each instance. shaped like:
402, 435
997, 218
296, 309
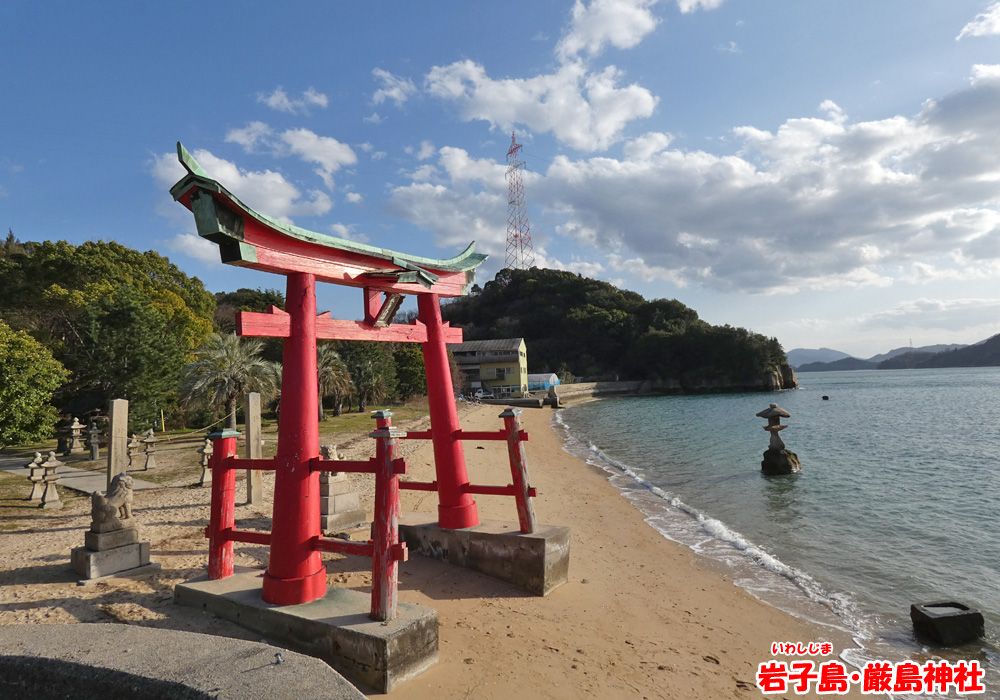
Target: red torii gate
295, 572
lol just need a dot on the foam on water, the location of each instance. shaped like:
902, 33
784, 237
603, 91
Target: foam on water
751, 566
764, 574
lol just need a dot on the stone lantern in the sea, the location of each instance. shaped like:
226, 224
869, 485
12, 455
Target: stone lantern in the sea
777, 460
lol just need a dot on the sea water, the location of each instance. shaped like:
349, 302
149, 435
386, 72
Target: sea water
898, 500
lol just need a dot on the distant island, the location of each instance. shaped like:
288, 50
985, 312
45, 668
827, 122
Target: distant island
589, 330
985, 353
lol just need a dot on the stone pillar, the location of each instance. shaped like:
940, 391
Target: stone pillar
150, 443
206, 456
254, 449
134, 445
117, 439
94, 440
50, 497
75, 446
37, 477
339, 505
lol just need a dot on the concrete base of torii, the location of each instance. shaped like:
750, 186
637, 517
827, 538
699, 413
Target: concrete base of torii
536, 562
335, 628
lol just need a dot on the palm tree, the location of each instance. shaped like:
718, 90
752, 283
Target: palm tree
226, 368
371, 383
334, 379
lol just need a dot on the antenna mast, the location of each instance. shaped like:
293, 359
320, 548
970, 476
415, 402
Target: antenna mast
520, 254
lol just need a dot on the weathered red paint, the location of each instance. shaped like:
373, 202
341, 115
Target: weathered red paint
295, 572
222, 510
385, 523
456, 509
276, 325
519, 470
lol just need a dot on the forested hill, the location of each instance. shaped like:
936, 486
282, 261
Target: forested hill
580, 326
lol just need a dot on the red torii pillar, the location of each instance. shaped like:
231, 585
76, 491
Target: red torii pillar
456, 509
295, 570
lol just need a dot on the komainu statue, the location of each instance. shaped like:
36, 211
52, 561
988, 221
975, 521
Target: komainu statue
110, 511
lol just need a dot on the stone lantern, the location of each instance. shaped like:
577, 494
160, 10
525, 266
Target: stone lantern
777, 460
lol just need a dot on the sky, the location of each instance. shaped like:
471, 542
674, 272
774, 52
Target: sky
823, 171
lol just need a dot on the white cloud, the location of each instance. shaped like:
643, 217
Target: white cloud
373, 119
647, 145
426, 150
587, 269
621, 23
584, 109
327, 152
346, 232
728, 47
353, 198
195, 246
985, 24
281, 102
950, 314
394, 88
687, 6
266, 191
251, 136
820, 203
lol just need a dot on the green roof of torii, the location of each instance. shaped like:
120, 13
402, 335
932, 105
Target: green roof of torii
198, 178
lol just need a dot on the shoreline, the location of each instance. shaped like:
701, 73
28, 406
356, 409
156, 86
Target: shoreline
641, 616
782, 586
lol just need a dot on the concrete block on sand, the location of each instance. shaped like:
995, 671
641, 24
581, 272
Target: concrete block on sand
91, 564
536, 563
335, 628
99, 661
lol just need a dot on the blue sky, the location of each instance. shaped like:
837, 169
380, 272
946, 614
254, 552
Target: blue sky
824, 172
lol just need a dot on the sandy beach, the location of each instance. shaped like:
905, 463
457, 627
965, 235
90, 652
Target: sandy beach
641, 616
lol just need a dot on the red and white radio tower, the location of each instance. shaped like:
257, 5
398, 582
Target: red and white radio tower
520, 255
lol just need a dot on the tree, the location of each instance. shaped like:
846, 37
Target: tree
226, 368
28, 376
372, 370
334, 378
570, 321
243, 299
411, 379
122, 322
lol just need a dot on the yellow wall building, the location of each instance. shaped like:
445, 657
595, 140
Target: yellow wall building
499, 367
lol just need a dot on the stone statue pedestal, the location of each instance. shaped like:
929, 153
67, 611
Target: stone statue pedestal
779, 462
112, 545
340, 506
111, 557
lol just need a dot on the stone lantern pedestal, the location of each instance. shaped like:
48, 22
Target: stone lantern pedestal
777, 459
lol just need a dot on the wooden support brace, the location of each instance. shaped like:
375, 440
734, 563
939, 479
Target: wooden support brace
249, 537
508, 490
358, 549
399, 552
255, 464
489, 435
418, 485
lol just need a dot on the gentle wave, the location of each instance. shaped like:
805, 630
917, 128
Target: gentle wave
755, 570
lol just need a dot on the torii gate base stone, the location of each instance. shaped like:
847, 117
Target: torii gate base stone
536, 562
335, 628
